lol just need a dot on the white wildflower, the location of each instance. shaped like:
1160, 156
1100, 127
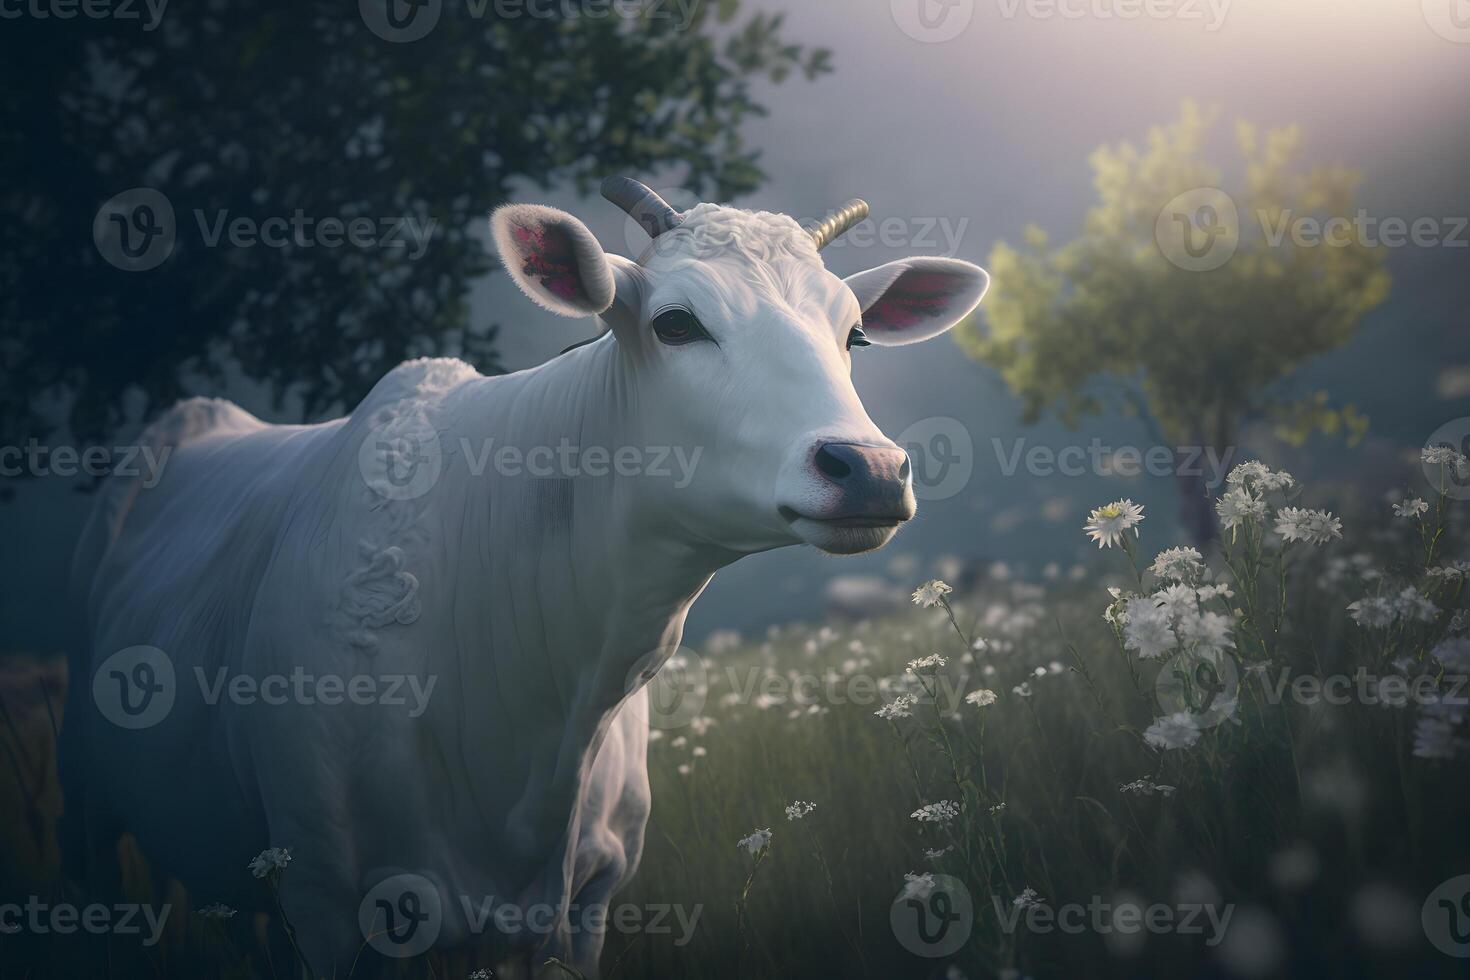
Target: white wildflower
942, 812
1238, 506
934, 661
756, 842
1207, 630
1311, 526
1022, 690
1411, 604
1147, 787
919, 886
1410, 508
1106, 525
1027, 899
270, 860
980, 698
1372, 611
215, 912
931, 593
1177, 731
1176, 600
897, 708
1443, 455
997, 810
699, 752
1147, 630
1178, 564
935, 853
799, 809
1255, 473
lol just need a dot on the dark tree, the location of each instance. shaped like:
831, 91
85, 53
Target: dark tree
323, 110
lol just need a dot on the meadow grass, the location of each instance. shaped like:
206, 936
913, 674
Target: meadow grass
1284, 835
1315, 827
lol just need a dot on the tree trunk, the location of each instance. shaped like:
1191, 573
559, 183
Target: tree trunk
1196, 499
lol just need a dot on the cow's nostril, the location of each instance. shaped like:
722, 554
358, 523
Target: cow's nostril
829, 463
904, 470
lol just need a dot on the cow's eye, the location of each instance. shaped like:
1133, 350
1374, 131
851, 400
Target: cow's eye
856, 338
677, 326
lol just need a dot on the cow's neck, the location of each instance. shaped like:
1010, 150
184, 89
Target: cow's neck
566, 584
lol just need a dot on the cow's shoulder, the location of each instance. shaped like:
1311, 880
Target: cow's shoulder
414, 382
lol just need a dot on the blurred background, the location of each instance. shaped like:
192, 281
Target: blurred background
962, 122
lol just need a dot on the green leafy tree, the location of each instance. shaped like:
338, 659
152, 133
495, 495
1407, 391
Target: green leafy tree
267, 109
1169, 307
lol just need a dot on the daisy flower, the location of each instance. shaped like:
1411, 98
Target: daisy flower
1178, 564
1311, 526
919, 886
980, 698
1238, 506
1410, 508
1255, 473
1207, 630
270, 860
1176, 731
1147, 630
931, 593
1106, 525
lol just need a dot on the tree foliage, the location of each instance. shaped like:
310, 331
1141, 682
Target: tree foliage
269, 109
1108, 317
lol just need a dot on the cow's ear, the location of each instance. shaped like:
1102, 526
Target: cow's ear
553, 258
911, 300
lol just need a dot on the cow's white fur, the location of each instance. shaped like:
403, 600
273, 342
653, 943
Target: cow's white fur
530, 600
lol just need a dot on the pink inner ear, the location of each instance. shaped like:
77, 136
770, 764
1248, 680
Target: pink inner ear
914, 298
547, 257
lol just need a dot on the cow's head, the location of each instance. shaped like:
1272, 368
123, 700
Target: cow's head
739, 343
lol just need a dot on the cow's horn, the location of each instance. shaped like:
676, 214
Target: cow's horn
651, 212
823, 233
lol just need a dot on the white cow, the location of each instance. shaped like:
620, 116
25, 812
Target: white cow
536, 599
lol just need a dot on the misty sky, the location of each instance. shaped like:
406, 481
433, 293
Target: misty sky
967, 141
